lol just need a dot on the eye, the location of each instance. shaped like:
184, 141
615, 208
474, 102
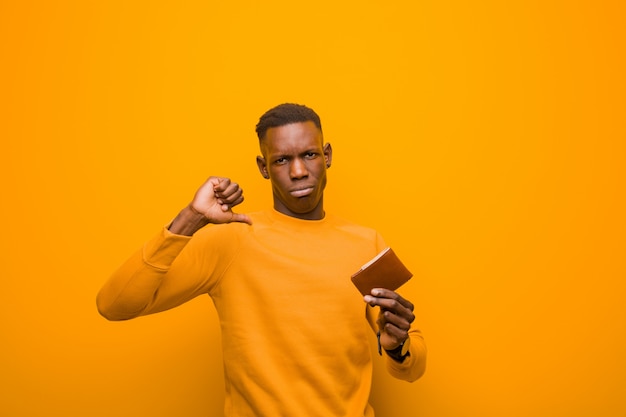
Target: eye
310, 155
280, 161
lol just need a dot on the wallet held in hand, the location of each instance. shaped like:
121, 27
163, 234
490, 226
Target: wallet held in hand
385, 270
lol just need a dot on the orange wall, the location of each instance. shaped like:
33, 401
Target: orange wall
485, 140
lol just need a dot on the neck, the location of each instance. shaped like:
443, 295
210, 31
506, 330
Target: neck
316, 214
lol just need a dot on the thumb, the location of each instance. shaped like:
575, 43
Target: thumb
241, 218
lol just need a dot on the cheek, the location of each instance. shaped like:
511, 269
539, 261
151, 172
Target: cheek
278, 179
321, 170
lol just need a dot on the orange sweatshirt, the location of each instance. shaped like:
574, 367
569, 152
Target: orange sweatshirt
294, 327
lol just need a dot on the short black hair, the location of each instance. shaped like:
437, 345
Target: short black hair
285, 114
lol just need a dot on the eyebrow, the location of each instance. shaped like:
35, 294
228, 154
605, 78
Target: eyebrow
286, 154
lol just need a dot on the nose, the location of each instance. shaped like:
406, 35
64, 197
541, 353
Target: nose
298, 169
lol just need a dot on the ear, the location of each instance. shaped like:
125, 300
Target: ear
260, 162
328, 154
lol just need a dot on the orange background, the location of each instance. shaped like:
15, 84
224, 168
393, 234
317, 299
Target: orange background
485, 140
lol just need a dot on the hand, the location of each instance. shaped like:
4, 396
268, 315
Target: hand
216, 198
395, 316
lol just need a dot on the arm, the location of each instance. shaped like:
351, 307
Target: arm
394, 322
150, 281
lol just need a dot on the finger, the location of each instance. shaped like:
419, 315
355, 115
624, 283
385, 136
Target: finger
400, 321
227, 189
395, 332
215, 182
220, 184
385, 293
227, 207
230, 196
387, 303
241, 218
391, 305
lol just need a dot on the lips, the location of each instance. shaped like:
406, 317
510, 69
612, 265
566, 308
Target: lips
301, 192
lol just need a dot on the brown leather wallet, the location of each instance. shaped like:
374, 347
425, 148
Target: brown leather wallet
385, 270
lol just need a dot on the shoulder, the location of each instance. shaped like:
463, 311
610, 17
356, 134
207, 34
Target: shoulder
349, 227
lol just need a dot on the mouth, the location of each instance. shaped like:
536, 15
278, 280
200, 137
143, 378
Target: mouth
302, 192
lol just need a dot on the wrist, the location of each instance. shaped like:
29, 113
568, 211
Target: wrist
188, 221
399, 353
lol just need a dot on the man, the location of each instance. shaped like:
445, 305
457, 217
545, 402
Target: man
295, 330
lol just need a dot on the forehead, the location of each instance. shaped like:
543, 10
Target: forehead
292, 138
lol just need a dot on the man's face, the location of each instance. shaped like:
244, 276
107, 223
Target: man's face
295, 160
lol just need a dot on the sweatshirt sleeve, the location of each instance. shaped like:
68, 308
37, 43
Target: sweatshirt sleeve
169, 270
133, 289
